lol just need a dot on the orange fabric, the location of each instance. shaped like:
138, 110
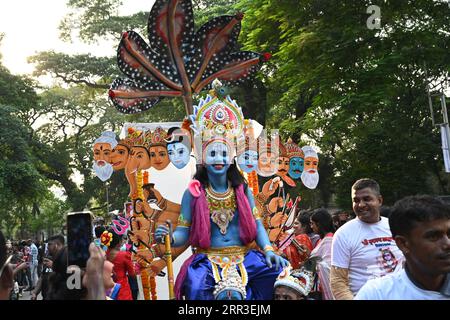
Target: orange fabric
295, 257
253, 182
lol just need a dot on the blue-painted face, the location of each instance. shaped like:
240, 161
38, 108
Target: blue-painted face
296, 167
229, 295
217, 158
179, 154
248, 161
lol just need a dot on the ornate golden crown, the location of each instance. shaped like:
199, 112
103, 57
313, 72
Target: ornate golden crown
217, 116
156, 138
135, 138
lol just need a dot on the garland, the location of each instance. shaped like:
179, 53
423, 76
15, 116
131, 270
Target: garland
252, 178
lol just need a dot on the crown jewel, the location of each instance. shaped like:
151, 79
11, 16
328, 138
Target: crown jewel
232, 281
300, 280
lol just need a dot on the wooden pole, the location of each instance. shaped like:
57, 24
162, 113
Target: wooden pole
168, 255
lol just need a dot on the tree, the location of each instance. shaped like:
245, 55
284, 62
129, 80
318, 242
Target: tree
78, 113
358, 94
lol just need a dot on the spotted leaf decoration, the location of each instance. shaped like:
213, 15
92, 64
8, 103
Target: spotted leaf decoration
171, 26
177, 61
141, 64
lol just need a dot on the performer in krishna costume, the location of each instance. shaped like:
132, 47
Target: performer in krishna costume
178, 61
219, 218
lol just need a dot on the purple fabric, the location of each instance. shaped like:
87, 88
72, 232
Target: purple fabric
247, 225
181, 277
200, 235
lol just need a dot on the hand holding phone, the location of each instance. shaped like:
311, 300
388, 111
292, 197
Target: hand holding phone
79, 237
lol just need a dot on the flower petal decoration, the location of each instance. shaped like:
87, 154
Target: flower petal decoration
106, 238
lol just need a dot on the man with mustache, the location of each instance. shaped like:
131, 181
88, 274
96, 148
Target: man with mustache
103, 147
420, 226
358, 246
296, 159
283, 165
310, 176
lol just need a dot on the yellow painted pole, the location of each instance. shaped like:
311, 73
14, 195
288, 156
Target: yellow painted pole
168, 255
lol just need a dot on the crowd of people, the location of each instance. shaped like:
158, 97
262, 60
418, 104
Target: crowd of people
379, 253
397, 253
27, 257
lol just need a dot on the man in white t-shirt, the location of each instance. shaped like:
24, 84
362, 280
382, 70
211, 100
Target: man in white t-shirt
363, 248
421, 228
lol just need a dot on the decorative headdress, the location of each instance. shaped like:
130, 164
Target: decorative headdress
300, 280
283, 150
248, 140
233, 282
156, 138
136, 138
182, 134
265, 144
217, 118
126, 143
293, 150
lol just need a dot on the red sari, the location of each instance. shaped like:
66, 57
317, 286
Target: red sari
295, 256
122, 266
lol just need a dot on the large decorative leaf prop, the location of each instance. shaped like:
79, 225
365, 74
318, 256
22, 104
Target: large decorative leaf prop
178, 61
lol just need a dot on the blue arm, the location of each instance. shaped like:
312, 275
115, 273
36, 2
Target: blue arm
262, 239
181, 234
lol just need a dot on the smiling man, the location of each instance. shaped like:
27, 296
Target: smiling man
421, 228
360, 247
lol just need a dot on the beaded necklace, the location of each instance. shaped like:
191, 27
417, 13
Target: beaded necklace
221, 207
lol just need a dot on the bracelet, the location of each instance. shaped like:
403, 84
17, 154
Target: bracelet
268, 248
261, 197
256, 213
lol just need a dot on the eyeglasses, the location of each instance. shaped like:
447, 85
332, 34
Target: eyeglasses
4, 266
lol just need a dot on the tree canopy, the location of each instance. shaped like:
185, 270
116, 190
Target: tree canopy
356, 93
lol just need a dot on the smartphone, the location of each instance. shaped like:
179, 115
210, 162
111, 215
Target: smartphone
79, 237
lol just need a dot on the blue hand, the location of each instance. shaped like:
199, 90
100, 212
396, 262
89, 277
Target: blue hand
271, 258
160, 233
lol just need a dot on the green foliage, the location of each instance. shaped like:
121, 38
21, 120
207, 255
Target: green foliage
358, 94
95, 72
96, 20
51, 217
206, 10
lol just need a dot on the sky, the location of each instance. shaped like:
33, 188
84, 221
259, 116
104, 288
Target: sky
32, 26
